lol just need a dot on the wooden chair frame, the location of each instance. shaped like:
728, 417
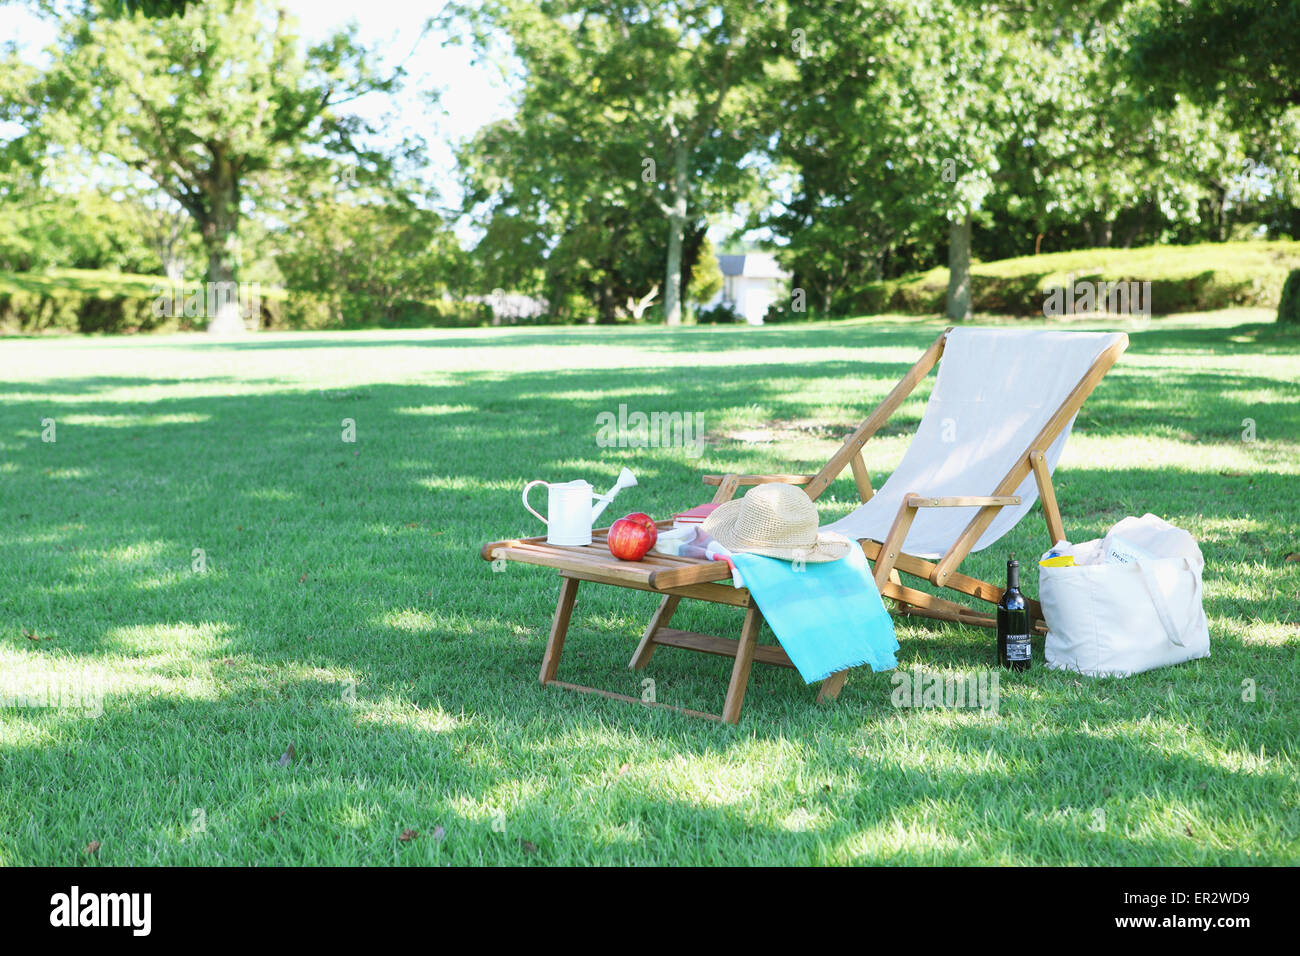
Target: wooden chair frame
887, 556
682, 578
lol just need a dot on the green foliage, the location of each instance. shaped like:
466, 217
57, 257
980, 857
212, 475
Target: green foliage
74, 300
307, 311
900, 117
781, 311
216, 107
51, 217
720, 314
1183, 279
1288, 306
601, 187
854, 130
373, 264
41, 229
65, 311
148, 8
1243, 51
706, 278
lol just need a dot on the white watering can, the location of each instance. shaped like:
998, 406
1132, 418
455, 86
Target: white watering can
572, 508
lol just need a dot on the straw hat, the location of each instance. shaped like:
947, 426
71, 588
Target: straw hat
776, 520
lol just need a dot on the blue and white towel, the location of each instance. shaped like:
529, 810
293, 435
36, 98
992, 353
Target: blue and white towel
828, 616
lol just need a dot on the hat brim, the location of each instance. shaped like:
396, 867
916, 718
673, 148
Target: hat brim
721, 526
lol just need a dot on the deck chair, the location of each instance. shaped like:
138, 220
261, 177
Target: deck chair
1002, 406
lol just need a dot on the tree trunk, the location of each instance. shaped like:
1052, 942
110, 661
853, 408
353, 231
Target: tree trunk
1135, 230
1220, 215
606, 305
692, 243
220, 231
676, 228
959, 290
167, 234
1107, 232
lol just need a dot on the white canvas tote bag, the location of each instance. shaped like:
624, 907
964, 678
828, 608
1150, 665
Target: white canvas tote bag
1131, 602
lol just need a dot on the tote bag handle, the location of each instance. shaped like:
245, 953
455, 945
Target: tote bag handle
1173, 632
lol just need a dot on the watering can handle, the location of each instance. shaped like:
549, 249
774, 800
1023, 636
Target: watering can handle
527, 488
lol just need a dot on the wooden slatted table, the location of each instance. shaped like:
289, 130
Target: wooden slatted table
673, 577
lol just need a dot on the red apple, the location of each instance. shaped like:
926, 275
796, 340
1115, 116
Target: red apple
630, 537
642, 519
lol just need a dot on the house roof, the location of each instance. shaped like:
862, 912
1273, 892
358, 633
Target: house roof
753, 265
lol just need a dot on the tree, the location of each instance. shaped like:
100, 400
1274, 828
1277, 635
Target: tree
1236, 65
207, 105
371, 258
158, 221
1090, 161
895, 116
706, 278
149, 8
837, 142
909, 125
1244, 52
52, 217
632, 107
577, 233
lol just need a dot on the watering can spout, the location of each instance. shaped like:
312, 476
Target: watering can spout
625, 480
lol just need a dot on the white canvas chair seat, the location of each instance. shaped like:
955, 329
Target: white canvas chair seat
996, 390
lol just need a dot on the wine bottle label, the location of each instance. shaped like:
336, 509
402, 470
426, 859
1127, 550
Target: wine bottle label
1018, 647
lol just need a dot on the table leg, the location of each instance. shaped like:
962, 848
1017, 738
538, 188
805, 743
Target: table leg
744, 661
645, 650
559, 627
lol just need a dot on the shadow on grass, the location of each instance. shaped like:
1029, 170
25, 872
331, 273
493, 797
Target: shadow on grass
362, 559
274, 465
360, 776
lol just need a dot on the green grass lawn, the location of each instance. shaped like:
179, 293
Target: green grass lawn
344, 609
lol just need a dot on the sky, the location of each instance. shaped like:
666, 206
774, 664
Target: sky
471, 94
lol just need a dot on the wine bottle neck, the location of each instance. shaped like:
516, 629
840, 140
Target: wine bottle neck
1013, 577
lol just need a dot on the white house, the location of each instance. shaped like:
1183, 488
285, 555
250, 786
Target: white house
509, 308
750, 283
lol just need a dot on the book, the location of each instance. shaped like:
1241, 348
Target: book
695, 516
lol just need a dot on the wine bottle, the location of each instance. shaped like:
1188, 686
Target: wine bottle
1014, 649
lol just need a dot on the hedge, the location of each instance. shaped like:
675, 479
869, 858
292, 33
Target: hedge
1026, 295
307, 311
42, 305
1288, 307
73, 310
